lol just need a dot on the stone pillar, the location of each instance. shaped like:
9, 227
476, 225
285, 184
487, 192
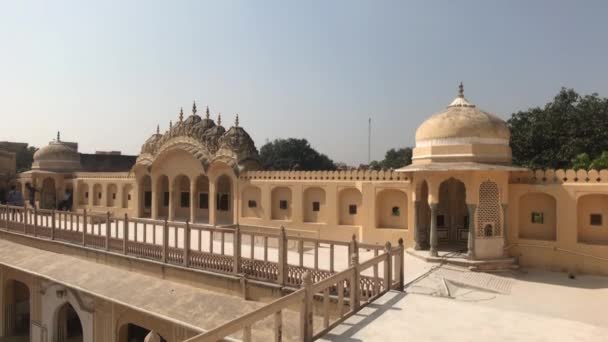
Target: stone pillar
417, 227
91, 195
155, 194
212, 204
433, 237
171, 211
75, 195
193, 200
505, 209
472, 229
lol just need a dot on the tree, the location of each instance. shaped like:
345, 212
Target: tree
25, 157
293, 154
553, 136
393, 159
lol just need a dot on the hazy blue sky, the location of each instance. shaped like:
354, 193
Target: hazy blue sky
106, 73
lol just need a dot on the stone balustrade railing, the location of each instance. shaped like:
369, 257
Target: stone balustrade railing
335, 289
232, 250
349, 175
559, 176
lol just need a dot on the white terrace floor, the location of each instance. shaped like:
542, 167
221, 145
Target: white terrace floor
524, 305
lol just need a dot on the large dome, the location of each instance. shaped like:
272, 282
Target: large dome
463, 132
57, 156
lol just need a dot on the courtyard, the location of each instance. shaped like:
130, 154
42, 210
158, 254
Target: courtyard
518, 305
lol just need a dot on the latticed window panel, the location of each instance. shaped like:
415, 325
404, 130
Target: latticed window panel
488, 210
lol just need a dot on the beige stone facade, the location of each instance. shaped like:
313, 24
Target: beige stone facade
461, 192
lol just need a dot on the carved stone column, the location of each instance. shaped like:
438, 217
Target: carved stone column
193, 205
171, 213
212, 204
417, 226
433, 237
155, 194
505, 209
472, 229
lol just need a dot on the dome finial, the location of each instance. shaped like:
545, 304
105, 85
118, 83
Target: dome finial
170, 124
461, 90
157, 129
236, 120
193, 107
181, 114
219, 119
207, 112
58, 136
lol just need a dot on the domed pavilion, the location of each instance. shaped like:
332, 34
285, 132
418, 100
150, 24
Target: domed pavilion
460, 169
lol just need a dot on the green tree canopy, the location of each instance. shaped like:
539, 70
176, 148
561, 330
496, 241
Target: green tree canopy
393, 159
293, 154
553, 136
24, 158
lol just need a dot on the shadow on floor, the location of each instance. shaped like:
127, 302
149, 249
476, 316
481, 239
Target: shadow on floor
345, 331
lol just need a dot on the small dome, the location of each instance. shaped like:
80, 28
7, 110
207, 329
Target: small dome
463, 132
57, 156
462, 120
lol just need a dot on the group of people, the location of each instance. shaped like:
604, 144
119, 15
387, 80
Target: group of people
15, 198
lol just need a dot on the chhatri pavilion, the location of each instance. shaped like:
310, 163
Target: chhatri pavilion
461, 194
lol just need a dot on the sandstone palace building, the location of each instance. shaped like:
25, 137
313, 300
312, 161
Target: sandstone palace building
460, 194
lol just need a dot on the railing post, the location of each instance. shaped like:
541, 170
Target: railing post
388, 279
306, 309
125, 234
8, 213
84, 226
236, 250
53, 224
24, 218
282, 262
400, 265
187, 243
354, 246
108, 231
35, 222
354, 283
165, 238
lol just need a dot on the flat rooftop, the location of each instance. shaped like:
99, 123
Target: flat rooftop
163, 298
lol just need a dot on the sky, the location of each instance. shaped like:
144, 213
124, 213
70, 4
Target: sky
105, 73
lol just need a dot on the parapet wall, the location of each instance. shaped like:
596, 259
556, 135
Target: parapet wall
559, 176
351, 175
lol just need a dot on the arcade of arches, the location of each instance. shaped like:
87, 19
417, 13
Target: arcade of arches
461, 193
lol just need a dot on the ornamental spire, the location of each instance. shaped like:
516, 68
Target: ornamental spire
193, 107
207, 112
157, 129
58, 136
461, 90
236, 120
181, 114
219, 119
170, 124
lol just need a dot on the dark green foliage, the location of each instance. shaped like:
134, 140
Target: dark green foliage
393, 159
25, 157
293, 154
553, 136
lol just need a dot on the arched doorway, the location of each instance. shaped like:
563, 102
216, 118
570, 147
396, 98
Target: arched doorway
48, 196
134, 333
224, 200
17, 310
145, 196
452, 215
181, 198
162, 196
201, 199
69, 326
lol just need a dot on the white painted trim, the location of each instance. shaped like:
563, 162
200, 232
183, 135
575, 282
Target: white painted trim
461, 141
